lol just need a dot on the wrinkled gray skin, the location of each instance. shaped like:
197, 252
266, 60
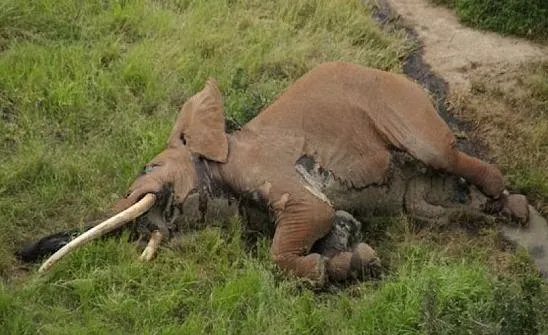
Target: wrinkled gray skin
412, 188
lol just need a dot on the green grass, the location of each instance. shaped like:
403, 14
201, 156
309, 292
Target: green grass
88, 93
526, 18
210, 283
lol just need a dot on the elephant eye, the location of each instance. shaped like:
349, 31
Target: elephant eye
183, 139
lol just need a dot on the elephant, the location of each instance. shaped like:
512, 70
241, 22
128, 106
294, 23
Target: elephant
341, 142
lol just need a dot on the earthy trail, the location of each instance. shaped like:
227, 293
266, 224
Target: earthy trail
454, 51
451, 56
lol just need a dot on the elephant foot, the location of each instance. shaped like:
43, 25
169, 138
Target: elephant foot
348, 257
313, 271
310, 269
516, 207
365, 264
360, 263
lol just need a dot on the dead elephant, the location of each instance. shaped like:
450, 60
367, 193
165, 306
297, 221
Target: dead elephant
342, 137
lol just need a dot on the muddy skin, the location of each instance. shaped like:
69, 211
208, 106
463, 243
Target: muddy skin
410, 188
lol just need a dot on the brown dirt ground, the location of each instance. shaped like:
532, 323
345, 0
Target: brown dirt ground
456, 52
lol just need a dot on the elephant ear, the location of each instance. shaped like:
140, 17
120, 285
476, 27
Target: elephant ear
200, 125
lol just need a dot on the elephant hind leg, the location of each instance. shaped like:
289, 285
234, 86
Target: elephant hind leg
482, 174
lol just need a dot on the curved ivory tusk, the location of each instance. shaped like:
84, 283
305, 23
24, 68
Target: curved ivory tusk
101, 229
152, 246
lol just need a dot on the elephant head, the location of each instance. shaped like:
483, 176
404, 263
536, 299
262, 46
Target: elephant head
158, 194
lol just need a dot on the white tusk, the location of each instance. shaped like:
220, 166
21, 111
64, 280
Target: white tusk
101, 229
152, 246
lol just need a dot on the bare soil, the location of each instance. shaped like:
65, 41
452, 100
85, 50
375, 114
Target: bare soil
455, 52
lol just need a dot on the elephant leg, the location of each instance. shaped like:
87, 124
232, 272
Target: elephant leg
299, 225
482, 174
489, 180
416, 205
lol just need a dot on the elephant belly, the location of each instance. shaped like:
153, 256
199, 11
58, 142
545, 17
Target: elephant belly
372, 200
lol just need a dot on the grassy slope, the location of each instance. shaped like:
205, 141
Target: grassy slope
88, 91
526, 18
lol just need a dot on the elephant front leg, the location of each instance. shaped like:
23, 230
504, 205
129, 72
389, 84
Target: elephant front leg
303, 223
299, 224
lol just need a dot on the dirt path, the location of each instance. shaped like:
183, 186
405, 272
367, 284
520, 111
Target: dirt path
453, 54
454, 51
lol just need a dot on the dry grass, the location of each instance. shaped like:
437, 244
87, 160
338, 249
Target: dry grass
509, 109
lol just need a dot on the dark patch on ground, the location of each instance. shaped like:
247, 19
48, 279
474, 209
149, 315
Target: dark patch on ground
415, 67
